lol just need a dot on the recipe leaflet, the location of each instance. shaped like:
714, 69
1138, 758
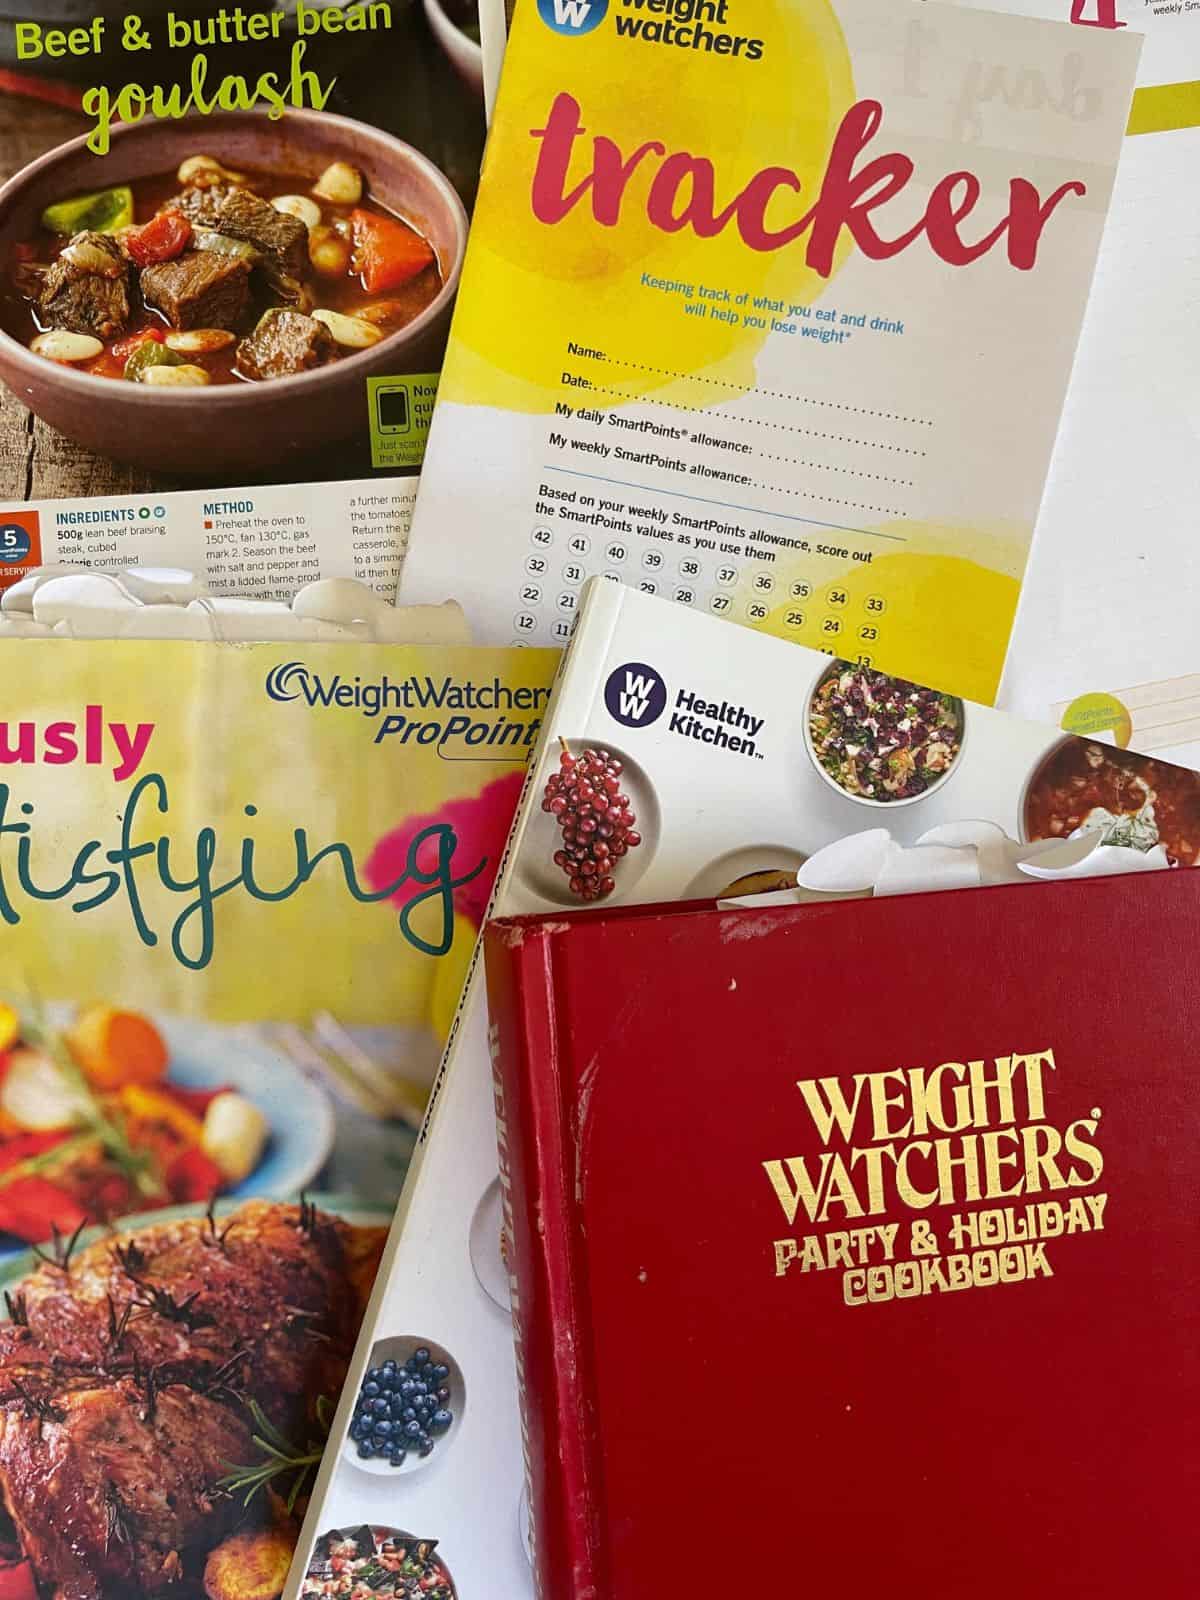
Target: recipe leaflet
747, 765
800, 366
230, 239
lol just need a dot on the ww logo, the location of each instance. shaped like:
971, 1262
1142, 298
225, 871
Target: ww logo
635, 695
572, 17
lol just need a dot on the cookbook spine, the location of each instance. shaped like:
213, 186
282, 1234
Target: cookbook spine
545, 1275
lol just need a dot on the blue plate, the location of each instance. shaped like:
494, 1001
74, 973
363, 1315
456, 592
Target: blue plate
298, 1111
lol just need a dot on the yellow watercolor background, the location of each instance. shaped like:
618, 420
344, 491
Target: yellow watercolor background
221, 743
528, 288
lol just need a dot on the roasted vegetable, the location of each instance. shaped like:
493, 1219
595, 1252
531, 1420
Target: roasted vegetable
114, 1048
249, 1566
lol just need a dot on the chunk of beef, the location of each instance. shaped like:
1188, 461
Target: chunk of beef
284, 342
201, 207
240, 214
200, 289
87, 289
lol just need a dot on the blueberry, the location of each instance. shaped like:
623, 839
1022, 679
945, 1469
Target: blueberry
425, 1446
356, 1429
441, 1372
419, 1388
421, 1356
370, 1389
366, 1451
441, 1420
397, 1457
443, 1394
380, 1407
388, 1366
373, 1375
413, 1429
406, 1388
381, 1430
408, 1413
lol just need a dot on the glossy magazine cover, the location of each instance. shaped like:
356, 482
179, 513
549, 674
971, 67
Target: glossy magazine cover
239, 890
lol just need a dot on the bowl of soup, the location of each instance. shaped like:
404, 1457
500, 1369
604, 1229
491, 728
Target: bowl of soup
211, 297
1083, 786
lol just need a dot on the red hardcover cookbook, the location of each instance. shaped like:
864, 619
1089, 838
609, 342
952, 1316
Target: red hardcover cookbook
857, 1246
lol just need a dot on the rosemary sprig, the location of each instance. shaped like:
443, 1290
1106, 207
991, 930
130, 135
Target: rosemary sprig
61, 1249
47, 1160
280, 1457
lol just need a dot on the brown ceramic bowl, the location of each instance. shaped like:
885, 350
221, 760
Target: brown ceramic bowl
232, 430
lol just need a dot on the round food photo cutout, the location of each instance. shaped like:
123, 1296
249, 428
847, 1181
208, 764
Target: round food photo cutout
882, 741
409, 1403
386, 1562
597, 828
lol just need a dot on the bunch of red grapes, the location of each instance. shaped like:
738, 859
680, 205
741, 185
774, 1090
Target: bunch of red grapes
585, 797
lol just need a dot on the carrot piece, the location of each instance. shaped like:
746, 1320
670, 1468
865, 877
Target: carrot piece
387, 253
114, 1048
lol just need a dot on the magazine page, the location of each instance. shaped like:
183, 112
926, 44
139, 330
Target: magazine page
230, 239
239, 891
735, 764
814, 380
1111, 650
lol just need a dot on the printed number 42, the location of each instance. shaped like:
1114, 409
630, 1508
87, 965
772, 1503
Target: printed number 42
1105, 14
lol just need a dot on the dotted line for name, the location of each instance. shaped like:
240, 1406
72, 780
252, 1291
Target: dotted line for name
831, 500
824, 466
760, 422
776, 394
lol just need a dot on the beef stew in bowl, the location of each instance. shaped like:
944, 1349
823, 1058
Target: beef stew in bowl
210, 275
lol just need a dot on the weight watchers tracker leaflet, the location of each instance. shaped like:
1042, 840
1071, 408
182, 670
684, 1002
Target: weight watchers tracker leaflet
770, 308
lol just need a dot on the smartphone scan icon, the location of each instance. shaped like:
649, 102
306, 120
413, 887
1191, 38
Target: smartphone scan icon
393, 412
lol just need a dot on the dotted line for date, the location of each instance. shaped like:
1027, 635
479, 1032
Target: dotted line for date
776, 394
824, 466
759, 422
830, 500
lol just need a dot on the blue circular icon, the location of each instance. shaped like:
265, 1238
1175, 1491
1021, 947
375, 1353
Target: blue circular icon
15, 543
572, 17
635, 695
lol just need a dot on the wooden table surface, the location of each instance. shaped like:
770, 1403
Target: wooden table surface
422, 101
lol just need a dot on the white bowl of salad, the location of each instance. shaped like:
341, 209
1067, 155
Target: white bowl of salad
882, 741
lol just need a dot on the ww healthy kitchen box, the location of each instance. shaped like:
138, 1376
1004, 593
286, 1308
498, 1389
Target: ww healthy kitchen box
724, 763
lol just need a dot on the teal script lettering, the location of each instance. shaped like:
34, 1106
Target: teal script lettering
97, 875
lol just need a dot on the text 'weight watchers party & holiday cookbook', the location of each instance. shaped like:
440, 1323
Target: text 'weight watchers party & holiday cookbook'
735, 763
239, 891
800, 365
230, 238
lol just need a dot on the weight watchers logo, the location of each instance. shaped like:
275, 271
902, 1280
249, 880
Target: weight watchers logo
288, 682
572, 17
635, 695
